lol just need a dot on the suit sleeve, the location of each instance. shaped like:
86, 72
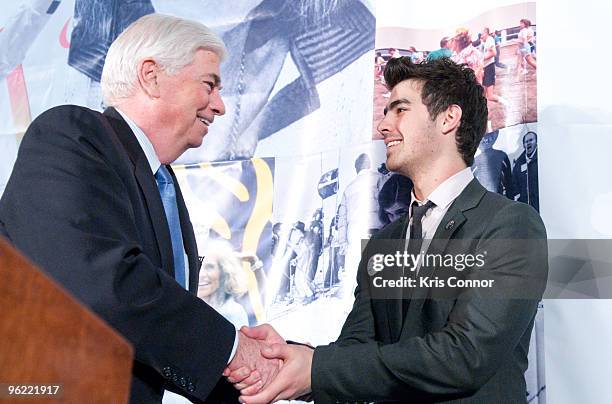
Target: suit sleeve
460, 358
67, 207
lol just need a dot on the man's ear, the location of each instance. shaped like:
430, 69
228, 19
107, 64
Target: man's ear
148, 74
451, 118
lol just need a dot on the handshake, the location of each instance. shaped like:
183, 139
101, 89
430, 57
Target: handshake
266, 369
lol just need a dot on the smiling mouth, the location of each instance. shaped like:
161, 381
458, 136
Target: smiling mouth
393, 143
205, 121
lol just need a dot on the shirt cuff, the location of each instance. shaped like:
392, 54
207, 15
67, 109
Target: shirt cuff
300, 343
234, 348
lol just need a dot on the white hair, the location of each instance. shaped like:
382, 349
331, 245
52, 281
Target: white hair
171, 41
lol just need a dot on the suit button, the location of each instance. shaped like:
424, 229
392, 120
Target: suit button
167, 372
182, 382
191, 387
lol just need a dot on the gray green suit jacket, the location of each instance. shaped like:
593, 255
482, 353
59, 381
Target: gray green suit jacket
471, 348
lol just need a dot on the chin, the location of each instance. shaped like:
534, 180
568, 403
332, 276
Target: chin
391, 165
197, 142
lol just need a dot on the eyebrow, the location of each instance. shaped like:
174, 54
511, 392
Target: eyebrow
395, 103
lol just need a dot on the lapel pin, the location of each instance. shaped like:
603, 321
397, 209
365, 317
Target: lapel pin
450, 225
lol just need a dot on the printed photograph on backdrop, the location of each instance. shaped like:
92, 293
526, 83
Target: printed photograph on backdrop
506, 162
317, 229
304, 240
299, 219
292, 67
230, 206
499, 44
288, 183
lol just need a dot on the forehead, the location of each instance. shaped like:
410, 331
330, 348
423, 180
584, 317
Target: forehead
205, 62
528, 137
410, 89
404, 92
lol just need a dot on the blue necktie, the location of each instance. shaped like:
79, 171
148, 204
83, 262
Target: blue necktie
168, 197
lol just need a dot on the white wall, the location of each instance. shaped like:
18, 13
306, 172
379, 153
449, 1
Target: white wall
575, 169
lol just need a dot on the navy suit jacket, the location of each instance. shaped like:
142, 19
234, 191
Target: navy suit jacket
83, 204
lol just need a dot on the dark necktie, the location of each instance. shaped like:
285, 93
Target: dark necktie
416, 226
416, 239
168, 197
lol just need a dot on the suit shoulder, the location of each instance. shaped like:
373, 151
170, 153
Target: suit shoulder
496, 200
500, 203
61, 113
69, 122
513, 214
74, 132
66, 118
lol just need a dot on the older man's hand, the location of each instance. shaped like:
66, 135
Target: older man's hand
292, 381
249, 368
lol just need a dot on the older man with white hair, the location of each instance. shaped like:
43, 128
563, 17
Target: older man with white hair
93, 201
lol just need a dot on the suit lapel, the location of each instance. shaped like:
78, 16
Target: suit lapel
393, 302
452, 221
189, 240
148, 186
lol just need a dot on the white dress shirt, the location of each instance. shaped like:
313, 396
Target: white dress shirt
443, 196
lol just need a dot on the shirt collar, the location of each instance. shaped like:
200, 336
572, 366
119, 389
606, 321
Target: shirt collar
449, 190
144, 142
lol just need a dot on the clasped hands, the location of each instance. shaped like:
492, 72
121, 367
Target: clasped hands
267, 369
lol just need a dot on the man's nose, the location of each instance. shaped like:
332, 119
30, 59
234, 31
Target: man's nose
384, 127
216, 103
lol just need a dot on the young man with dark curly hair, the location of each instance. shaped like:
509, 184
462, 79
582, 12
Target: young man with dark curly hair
420, 344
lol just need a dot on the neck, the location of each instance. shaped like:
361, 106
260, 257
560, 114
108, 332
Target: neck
143, 114
130, 107
426, 181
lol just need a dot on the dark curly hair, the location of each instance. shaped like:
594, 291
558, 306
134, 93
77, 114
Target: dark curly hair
445, 83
